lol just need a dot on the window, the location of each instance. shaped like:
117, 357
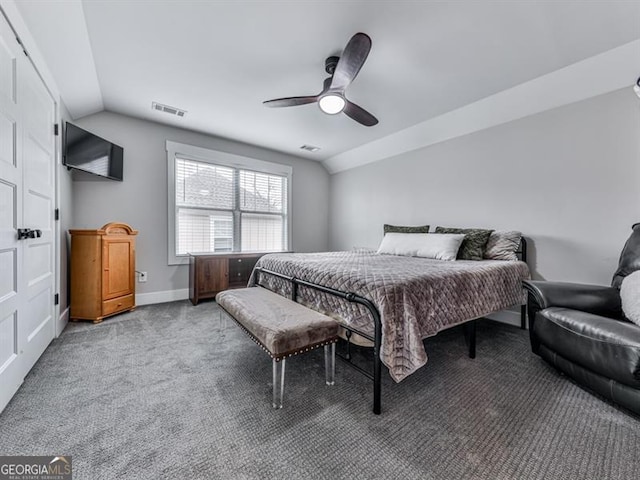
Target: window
220, 202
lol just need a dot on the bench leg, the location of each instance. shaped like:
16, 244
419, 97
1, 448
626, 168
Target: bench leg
278, 383
330, 363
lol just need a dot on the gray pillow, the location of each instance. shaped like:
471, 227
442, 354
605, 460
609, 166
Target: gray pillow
503, 245
474, 243
402, 229
630, 296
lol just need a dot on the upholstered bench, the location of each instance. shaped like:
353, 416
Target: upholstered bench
282, 327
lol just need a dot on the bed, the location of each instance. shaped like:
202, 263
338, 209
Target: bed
394, 301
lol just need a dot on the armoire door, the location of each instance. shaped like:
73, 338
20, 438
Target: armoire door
27, 185
118, 265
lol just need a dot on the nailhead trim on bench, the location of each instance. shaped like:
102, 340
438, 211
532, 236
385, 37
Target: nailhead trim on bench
277, 358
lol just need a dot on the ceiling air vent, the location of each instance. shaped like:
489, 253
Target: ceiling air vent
309, 148
167, 109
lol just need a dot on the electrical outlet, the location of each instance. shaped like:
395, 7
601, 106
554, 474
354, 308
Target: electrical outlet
142, 277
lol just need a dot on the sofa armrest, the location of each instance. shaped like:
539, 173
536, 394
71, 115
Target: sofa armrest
596, 299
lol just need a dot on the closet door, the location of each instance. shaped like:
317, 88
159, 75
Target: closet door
27, 161
11, 276
37, 327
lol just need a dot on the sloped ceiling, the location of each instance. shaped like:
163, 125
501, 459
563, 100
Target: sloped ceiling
219, 61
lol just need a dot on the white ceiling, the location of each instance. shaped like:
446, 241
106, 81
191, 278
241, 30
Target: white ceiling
220, 59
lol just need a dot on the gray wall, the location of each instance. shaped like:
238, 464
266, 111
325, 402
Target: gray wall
141, 200
568, 178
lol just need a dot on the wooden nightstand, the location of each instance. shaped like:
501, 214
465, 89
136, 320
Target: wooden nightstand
211, 273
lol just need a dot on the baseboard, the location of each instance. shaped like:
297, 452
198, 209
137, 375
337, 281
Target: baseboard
509, 317
63, 319
162, 297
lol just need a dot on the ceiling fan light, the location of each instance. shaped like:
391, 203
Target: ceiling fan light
332, 103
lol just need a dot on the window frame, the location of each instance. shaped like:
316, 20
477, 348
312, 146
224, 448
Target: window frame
216, 157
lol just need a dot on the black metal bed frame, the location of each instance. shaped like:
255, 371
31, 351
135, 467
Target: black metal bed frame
469, 327
522, 251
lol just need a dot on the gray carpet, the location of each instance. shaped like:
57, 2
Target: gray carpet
165, 392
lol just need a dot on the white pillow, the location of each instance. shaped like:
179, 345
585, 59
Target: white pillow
441, 246
630, 295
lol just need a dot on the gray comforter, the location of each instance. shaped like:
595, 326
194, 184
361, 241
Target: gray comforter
416, 297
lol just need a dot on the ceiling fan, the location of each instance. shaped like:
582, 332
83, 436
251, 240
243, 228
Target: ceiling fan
343, 71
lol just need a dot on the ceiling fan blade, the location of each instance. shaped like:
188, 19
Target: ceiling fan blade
326, 85
290, 101
359, 114
351, 61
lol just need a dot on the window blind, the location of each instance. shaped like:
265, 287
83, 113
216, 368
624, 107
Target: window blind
223, 209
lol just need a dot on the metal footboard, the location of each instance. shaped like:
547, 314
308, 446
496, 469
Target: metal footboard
353, 298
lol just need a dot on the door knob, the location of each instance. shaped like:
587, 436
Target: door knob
25, 233
28, 233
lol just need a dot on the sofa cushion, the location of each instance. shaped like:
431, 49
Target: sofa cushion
603, 345
629, 258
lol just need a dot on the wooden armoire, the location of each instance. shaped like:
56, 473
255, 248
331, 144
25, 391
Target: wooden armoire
103, 265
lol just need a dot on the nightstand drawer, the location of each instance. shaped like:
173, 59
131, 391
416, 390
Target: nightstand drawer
240, 270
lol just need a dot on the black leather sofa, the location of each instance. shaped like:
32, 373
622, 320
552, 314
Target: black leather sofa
581, 330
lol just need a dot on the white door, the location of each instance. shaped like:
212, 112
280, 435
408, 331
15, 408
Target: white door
10, 215
27, 161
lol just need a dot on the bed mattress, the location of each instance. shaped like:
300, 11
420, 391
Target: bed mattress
416, 297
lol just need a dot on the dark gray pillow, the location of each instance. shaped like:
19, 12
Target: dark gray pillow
474, 243
402, 229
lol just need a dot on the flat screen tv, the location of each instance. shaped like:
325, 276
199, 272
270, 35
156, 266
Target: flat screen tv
87, 152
